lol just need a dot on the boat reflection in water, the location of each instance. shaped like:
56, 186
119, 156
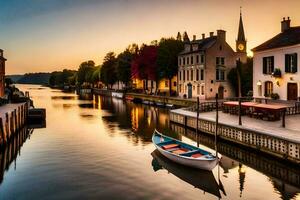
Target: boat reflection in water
201, 179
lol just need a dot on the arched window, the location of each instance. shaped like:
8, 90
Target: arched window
268, 88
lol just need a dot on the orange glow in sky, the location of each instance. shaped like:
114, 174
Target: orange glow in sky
56, 34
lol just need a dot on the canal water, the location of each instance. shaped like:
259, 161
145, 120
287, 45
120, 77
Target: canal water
97, 147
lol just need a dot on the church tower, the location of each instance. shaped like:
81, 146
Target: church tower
241, 43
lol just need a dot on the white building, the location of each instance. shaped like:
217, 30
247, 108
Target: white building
275, 64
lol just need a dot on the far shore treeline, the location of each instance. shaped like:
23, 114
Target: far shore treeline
154, 61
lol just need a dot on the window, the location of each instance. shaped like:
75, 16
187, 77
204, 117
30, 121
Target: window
197, 59
183, 60
180, 76
187, 75
202, 89
183, 75
220, 74
179, 61
197, 74
198, 89
291, 63
268, 65
188, 60
268, 88
174, 84
192, 77
166, 83
180, 88
202, 58
220, 61
192, 59
202, 75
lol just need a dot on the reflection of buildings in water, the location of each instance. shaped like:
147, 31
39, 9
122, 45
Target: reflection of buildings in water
201, 179
11, 150
288, 174
286, 191
242, 176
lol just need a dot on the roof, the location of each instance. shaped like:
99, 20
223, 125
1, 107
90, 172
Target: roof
203, 44
289, 37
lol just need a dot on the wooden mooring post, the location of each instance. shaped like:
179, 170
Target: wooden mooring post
12, 121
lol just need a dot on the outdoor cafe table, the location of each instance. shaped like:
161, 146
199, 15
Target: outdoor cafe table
273, 109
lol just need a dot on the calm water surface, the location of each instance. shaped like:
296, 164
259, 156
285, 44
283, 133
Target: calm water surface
100, 148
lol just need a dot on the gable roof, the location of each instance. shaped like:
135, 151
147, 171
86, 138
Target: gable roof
289, 37
203, 44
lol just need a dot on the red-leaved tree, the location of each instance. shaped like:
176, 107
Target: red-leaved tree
144, 66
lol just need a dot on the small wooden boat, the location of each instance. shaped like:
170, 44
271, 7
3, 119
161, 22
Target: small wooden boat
183, 153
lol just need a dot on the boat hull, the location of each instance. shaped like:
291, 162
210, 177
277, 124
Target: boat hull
206, 162
199, 164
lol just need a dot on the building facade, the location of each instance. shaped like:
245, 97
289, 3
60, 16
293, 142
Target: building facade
2, 73
275, 65
204, 64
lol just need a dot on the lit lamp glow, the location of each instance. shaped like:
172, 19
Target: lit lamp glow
259, 83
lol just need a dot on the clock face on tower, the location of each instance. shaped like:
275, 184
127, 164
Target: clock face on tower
241, 47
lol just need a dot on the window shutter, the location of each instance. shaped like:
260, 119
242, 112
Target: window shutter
295, 67
264, 65
272, 63
287, 68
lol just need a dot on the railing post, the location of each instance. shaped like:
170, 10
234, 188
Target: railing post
240, 112
197, 121
283, 118
217, 121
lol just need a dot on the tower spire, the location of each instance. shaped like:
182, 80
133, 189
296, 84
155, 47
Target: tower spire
241, 33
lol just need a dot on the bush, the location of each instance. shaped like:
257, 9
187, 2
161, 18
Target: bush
275, 96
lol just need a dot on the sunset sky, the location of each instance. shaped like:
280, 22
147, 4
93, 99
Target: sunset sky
48, 35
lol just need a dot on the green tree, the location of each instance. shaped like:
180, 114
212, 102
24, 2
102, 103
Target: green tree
167, 59
124, 61
85, 72
246, 77
108, 74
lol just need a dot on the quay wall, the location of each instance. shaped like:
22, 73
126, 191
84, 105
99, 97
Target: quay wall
12, 120
162, 99
289, 174
276, 146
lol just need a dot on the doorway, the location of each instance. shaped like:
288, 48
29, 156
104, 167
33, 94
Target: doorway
221, 92
292, 91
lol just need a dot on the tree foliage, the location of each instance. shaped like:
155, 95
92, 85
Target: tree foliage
124, 61
167, 60
108, 74
60, 78
85, 72
246, 77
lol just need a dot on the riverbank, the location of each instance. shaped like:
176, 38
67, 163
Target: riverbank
268, 137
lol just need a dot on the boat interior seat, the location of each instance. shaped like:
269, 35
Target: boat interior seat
170, 146
180, 151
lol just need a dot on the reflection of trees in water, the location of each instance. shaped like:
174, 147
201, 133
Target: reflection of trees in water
137, 121
287, 175
11, 150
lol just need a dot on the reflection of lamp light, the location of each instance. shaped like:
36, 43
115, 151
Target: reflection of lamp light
259, 83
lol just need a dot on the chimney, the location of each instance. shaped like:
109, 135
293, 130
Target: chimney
1, 53
221, 34
203, 35
285, 24
211, 34
194, 37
